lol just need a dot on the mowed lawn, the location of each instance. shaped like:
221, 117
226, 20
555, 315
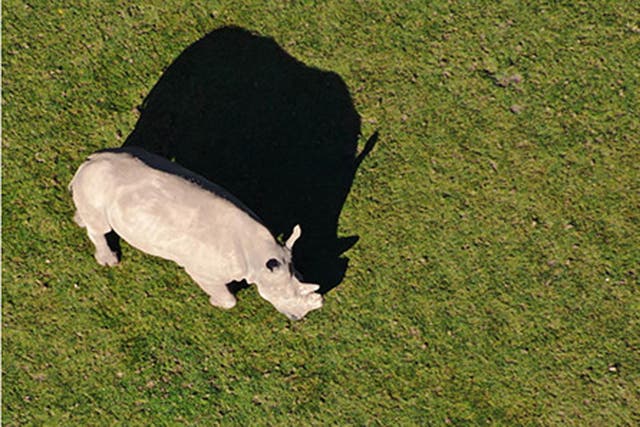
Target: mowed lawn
496, 279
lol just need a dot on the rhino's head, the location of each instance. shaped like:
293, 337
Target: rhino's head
278, 282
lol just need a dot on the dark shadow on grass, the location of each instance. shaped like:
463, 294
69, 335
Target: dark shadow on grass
279, 135
113, 241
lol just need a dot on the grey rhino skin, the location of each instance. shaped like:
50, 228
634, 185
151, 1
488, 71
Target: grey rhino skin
168, 211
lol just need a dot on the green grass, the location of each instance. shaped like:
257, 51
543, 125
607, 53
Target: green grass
496, 279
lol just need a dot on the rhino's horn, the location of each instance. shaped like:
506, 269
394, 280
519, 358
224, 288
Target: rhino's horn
308, 289
297, 231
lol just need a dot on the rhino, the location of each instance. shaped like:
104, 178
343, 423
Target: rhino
165, 210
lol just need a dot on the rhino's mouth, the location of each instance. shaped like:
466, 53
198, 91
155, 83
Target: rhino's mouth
299, 314
294, 300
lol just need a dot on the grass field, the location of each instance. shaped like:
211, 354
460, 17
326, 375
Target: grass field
496, 279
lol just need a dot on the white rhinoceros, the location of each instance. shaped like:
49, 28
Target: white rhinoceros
165, 210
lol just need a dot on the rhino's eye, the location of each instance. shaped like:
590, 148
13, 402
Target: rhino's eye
273, 264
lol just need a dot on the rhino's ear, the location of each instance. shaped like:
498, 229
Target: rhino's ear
297, 231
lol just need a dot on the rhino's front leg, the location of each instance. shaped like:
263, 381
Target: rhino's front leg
221, 297
219, 294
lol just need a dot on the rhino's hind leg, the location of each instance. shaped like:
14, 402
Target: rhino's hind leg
104, 255
219, 294
97, 230
78, 220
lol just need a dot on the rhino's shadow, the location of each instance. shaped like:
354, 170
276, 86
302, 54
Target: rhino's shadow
279, 135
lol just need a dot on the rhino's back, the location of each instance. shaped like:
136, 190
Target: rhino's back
167, 215
161, 164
